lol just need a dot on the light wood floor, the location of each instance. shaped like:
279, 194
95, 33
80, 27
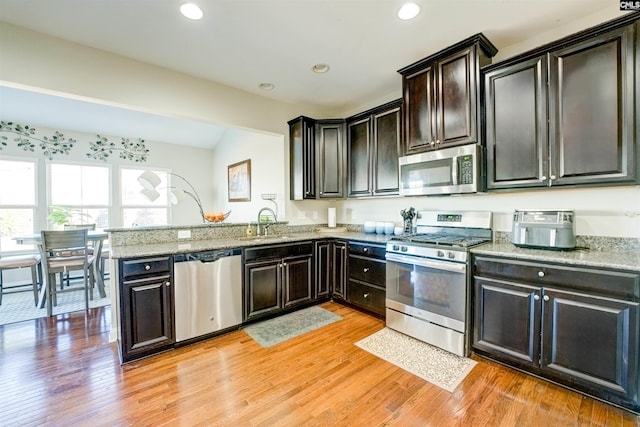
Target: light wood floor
62, 371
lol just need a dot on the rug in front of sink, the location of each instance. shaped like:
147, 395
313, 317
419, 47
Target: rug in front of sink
274, 331
439, 367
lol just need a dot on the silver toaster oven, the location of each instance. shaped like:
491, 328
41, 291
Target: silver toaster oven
544, 229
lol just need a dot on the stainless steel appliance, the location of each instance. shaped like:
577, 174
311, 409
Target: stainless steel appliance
427, 277
544, 229
208, 292
452, 170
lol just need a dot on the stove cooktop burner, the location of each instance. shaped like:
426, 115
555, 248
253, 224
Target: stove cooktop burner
444, 239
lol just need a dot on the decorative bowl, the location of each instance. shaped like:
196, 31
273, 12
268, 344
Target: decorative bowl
369, 227
216, 217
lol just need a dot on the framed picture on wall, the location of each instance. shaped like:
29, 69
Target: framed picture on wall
239, 176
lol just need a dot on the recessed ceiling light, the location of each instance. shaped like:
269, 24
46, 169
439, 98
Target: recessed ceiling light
320, 68
408, 11
266, 86
191, 11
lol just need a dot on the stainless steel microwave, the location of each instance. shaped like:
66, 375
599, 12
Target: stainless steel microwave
454, 170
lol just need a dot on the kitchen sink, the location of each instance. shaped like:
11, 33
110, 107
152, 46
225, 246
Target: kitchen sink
261, 238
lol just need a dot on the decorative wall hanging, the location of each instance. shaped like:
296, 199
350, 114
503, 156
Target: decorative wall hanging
56, 144
239, 176
101, 149
134, 151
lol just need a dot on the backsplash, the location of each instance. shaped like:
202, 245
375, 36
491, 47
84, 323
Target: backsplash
167, 234
594, 243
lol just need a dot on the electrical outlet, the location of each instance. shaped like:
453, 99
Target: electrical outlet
184, 234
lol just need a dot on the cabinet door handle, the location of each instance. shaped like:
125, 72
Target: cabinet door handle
366, 295
540, 273
437, 141
284, 264
365, 250
147, 267
552, 177
546, 297
365, 269
536, 297
543, 178
167, 283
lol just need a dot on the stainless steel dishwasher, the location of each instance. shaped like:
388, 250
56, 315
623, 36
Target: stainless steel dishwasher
208, 292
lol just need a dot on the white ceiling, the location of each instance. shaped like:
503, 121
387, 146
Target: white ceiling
241, 43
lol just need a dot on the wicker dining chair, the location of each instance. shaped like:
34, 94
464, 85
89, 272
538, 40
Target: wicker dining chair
64, 251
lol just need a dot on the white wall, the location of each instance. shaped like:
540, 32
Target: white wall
268, 173
609, 211
192, 163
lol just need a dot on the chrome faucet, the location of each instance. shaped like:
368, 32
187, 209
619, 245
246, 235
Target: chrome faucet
266, 227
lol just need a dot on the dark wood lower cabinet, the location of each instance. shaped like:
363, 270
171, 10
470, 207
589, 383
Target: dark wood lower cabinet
339, 268
277, 278
297, 280
576, 326
591, 340
366, 286
331, 261
507, 320
146, 306
263, 288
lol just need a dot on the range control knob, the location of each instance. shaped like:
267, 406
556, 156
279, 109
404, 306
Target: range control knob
451, 255
404, 249
396, 247
441, 254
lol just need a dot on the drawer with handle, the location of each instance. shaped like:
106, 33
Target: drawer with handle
367, 270
368, 250
366, 296
146, 266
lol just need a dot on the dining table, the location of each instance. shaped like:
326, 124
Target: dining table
97, 237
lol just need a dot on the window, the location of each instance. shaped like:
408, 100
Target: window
17, 202
82, 192
137, 209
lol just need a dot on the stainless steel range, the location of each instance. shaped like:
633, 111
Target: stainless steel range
427, 277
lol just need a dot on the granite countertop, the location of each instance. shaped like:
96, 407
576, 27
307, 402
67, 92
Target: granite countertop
585, 257
177, 247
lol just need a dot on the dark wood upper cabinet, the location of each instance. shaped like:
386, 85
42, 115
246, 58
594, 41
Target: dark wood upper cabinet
563, 114
302, 152
331, 158
386, 148
516, 124
359, 158
441, 96
419, 108
373, 145
591, 111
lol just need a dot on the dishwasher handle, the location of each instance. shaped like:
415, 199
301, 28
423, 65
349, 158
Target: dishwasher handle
207, 256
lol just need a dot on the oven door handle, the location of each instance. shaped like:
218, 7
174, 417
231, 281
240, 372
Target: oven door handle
423, 262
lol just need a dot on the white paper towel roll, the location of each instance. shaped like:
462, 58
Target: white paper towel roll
331, 217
